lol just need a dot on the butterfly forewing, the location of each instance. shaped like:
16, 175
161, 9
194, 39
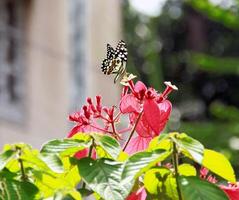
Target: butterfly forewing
115, 62
110, 52
121, 51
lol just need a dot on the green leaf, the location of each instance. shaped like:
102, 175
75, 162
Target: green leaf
189, 146
53, 162
71, 175
11, 189
215, 64
103, 176
101, 153
75, 195
218, 164
51, 184
114, 180
193, 188
187, 170
109, 144
122, 156
140, 162
161, 142
5, 157
220, 14
48, 162
64, 147
85, 192
159, 182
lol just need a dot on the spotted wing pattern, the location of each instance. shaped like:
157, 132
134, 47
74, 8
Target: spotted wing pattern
115, 61
107, 63
121, 51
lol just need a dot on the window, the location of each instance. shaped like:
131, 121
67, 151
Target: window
11, 53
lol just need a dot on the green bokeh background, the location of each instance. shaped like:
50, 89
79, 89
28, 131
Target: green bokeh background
194, 44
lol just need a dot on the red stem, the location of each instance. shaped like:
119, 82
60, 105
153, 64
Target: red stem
100, 129
104, 118
117, 116
124, 130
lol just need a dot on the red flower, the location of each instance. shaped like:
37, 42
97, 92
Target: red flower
87, 118
148, 114
154, 109
137, 144
86, 122
140, 194
232, 191
204, 174
84, 153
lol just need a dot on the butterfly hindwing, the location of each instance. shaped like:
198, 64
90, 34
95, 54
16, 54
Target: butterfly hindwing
105, 66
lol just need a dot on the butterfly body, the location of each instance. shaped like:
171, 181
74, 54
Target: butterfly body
116, 60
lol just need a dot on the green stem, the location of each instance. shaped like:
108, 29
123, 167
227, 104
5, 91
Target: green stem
132, 131
89, 156
175, 164
23, 176
91, 148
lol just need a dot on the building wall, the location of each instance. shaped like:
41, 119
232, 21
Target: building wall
49, 72
46, 59
105, 27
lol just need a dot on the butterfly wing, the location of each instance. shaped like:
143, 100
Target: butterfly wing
121, 55
121, 51
115, 63
110, 52
107, 64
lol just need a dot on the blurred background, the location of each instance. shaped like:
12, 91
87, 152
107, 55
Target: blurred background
51, 52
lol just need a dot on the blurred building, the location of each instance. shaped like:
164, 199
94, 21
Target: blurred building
50, 57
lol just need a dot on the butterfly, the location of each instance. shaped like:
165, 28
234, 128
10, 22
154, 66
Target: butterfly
116, 59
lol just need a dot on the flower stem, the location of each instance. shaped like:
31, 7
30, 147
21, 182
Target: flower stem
23, 174
117, 116
91, 148
175, 164
89, 156
101, 129
132, 131
124, 130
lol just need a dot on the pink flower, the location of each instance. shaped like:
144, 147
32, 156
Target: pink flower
204, 175
152, 108
232, 191
93, 118
137, 144
140, 194
148, 114
84, 153
86, 122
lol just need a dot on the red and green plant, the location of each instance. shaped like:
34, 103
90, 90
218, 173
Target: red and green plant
106, 159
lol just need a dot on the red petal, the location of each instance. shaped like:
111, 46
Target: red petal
231, 191
140, 194
139, 86
143, 128
82, 129
137, 144
157, 114
84, 153
73, 131
75, 117
129, 104
81, 154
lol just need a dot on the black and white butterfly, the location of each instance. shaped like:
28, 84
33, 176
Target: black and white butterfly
115, 62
